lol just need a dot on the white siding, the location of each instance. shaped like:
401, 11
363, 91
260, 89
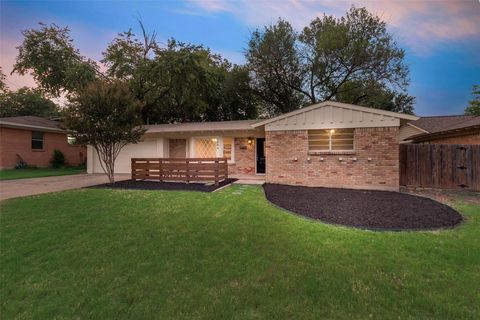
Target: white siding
332, 117
407, 131
148, 148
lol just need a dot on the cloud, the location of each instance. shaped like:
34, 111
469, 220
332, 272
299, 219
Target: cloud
419, 24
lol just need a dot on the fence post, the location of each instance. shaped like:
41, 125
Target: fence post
187, 171
216, 171
160, 170
132, 168
226, 168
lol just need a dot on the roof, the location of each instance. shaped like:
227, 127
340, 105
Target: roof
31, 122
235, 125
440, 123
338, 105
470, 124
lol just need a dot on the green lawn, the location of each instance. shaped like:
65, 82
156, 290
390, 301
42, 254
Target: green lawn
119, 254
11, 174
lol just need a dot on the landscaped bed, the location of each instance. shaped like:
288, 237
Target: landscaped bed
379, 210
156, 185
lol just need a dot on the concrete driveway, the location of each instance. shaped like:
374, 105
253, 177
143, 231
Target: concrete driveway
27, 187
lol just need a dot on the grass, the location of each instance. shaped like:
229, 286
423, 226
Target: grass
147, 254
11, 174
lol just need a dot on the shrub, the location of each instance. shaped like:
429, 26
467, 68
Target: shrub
58, 159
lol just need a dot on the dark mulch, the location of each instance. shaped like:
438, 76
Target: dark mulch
155, 185
378, 210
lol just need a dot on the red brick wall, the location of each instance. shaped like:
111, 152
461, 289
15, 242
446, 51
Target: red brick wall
244, 157
18, 141
473, 138
177, 148
379, 144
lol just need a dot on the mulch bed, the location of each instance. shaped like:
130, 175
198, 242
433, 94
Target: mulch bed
155, 185
376, 210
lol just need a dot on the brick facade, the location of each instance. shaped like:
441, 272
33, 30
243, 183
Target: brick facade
177, 148
15, 142
288, 161
244, 154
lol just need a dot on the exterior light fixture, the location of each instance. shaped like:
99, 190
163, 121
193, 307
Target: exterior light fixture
214, 139
250, 141
332, 131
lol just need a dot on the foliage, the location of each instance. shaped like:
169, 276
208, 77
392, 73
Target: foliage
474, 105
293, 68
26, 102
98, 253
3, 84
180, 82
106, 116
57, 66
58, 159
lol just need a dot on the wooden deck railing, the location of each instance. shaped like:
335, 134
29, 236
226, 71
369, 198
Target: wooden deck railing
180, 169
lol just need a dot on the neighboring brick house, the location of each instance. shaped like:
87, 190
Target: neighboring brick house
33, 139
328, 144
457, 129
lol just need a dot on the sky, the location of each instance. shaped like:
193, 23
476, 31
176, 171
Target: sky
441, 38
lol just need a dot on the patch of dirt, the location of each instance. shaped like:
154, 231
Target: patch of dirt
376, 210
155, 185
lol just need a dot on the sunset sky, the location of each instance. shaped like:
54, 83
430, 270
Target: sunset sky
441, 38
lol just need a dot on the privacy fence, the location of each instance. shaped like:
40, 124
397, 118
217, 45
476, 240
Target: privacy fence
180, 169
440, 166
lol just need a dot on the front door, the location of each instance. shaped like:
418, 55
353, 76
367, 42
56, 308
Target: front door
260, 147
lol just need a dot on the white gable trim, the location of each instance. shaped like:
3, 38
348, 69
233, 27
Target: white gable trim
331, 114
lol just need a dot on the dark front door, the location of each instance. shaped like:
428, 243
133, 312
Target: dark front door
260, 155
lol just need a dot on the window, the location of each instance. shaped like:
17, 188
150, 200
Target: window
228, 148
206, 148
330, 140
71, 139
37, 140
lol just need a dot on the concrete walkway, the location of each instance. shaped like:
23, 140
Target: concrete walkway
27, 187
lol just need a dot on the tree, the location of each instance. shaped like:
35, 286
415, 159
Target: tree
325, 61
3, 84
26, 102
474, 108
55, 63
107, 116
179, 82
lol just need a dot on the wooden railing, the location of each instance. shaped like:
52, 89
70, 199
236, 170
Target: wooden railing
180, 169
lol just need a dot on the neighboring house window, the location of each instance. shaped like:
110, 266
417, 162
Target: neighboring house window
228, 148
37, 140
71, 139
206, 148
330, 140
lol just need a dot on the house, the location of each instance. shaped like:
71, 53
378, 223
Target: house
32, 140
457, 129
328, 144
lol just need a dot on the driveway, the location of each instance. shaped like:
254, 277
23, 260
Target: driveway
27, 187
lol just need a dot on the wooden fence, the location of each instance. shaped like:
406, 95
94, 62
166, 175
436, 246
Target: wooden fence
180, 169
440, 166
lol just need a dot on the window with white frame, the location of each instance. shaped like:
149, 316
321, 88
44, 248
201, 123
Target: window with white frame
205, 148
326, 140
228, 148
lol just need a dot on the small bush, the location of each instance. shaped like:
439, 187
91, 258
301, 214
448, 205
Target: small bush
58, 159
21, 165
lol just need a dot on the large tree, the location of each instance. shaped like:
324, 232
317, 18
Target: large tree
107, 116
474, 105
179, 82
26, 102
57, 66
330, 59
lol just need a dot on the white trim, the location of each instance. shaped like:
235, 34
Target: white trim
418, 128
27, 126
339, 105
